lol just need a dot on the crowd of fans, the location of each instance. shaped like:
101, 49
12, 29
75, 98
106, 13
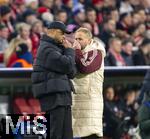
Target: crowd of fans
122, 25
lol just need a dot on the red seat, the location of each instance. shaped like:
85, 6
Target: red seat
36, 107
21, 106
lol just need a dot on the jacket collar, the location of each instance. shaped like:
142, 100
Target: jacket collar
50, 40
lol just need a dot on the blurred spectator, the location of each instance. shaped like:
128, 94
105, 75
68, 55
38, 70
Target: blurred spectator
98, 6
86, 3
127, 51
146, 3
147, 34
87, 25
29, 16
68, 6
114, 57
109, 31
32, 4
141, 57
6, 19
47, 3
125, 22
3, 42
130, 97
142, 14
78, 16
91, 18
47, 17
125, 6
136, 18
3, 37
23, 30
10, 52
126, 106
62, 16
24, 57
78, 5
138, 33
57, 5
112, 115
18, 8
35, 35
136, 3
109, 3
114, 14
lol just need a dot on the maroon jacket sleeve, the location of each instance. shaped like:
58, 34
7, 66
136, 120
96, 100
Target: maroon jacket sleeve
88, 62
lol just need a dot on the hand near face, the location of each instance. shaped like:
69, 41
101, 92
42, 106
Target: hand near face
66, 43
76, 45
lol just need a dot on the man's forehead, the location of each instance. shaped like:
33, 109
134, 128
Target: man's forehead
81, 34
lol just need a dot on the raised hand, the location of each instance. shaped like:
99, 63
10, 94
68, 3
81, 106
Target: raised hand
76, 45
66, 43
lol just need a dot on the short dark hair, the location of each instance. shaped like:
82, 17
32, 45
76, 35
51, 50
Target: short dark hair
61, 11
90, 9
124, 15
113, 39
4, 10
126, 41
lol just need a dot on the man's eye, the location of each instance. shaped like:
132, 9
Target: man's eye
78, 39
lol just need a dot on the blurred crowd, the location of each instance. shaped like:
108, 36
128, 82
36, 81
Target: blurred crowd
122, 25
126, 110
120, 112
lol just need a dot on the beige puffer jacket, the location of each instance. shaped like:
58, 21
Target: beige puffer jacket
88, 101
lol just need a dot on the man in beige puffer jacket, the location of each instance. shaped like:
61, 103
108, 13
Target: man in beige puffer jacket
88, 83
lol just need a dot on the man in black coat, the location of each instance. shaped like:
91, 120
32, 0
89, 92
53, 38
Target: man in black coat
145, 87
144, 110
141, 57
144, 116
53, 68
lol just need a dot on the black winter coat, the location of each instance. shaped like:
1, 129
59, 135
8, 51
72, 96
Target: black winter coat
53, 67
138, 58
145, 87
110, 60
144, 117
